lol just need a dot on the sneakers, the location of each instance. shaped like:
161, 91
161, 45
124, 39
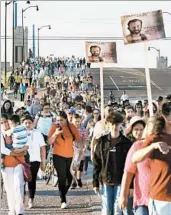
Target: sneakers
79, 183
85, 172
64, 205
30, 203
74, 185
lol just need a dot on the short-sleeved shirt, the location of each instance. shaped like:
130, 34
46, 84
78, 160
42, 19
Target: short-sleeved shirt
64, 147
44, 123
160, 183
142, 172
19, 136
35, 142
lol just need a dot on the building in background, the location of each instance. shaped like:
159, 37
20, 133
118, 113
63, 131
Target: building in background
18, 44
162, 62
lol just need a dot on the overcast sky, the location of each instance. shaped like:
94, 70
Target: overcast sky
88, 18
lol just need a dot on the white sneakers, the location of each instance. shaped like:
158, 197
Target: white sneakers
30, 203
64, 205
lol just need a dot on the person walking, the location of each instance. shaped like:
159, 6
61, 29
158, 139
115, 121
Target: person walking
37, 155
12, 173
22, 92
157, 148
61, 136
108, 164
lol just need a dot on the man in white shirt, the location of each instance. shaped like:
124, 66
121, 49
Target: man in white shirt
124, 97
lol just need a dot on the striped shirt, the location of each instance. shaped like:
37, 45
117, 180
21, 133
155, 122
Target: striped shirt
19, 135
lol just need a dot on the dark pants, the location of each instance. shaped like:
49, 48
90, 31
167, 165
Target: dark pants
62, 166
15, 94
22, 97
32, 184
86, 163
47, 146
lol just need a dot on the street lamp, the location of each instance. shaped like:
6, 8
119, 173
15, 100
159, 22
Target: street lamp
167, 13
45, 26
6, 4
158, 50
23, 10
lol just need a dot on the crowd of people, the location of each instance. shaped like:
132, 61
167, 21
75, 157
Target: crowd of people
129, 150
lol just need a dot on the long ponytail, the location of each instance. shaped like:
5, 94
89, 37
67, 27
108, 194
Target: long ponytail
73, 136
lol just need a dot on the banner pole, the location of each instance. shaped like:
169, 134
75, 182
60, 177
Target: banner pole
102, 92
148, 80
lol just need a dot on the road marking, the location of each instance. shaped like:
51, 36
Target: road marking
114, 83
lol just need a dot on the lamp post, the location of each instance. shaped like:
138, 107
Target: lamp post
158, 50
6, 4
170, 15
45, 26
23, 10
167, 13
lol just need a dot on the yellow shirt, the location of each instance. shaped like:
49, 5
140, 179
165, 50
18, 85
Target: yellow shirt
18, 78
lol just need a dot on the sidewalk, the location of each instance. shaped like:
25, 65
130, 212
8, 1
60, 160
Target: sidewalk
47, 202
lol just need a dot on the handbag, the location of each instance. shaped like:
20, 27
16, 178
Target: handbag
26, 171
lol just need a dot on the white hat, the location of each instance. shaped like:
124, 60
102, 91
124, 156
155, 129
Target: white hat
133, 120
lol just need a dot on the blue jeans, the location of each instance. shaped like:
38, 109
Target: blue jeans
157, 207
110, 201
141, 210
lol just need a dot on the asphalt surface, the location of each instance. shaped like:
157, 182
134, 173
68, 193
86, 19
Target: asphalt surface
47, 201
134, 82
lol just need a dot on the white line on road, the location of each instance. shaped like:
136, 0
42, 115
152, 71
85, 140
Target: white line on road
114, 83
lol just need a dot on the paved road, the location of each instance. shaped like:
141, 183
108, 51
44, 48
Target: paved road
47, 202
134, 81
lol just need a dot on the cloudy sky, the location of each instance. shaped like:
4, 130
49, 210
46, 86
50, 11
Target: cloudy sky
87, 18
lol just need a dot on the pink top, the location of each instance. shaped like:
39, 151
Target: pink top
142, 176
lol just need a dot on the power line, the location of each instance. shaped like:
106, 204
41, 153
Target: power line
72, 38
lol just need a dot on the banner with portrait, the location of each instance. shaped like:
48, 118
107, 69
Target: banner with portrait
143, 27
101, 52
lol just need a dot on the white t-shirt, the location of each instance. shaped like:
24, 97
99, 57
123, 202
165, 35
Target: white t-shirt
124, 97
35, 142
99, 130
44, 124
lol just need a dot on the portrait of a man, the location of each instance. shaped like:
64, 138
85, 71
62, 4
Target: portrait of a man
95, 54
135, 28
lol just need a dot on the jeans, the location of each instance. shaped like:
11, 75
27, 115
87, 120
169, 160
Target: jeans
141, 210
110, 200
157, 207
86, 163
